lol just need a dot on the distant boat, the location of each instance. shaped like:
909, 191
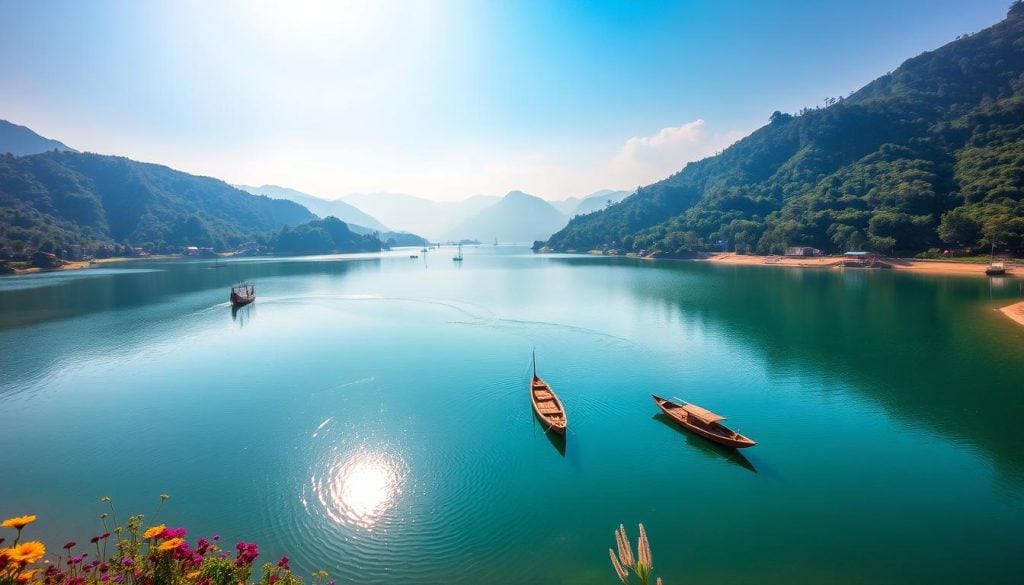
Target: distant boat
546, 405
702, 422
996, 269
242, 294
495, 241
413, 256
458, 256
424, 251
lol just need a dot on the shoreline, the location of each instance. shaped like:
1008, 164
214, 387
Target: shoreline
1014, 312
84, 264
943, 267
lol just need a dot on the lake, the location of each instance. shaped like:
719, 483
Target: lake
369, 415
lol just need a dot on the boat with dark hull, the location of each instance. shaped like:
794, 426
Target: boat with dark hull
996, 269
702, 422
242, 294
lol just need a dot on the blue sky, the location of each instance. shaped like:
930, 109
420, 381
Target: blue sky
444, 99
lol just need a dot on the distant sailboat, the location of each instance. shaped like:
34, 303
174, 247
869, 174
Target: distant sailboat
458, 255
495, 241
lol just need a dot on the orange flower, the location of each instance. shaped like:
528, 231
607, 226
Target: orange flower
26, 552
18, 522
24, 576
192, 575
171, 544
154, 532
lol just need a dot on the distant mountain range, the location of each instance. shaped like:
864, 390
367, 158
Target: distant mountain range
19, 141
356, 219
930, 156
516, 217
433, 219
471, 219
51, 194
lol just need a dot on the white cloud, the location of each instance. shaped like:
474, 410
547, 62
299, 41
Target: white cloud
645, 159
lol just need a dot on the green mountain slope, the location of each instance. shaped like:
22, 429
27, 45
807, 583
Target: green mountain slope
323, 236
70, 198
931, 155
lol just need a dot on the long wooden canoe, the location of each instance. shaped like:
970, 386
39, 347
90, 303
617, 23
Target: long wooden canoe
702, 422
547, 406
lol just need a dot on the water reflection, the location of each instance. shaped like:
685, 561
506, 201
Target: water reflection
557, 441
360, 488
242, 314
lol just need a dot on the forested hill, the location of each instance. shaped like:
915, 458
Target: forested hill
58, 199
931, 155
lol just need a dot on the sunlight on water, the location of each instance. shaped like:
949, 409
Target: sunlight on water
359, 489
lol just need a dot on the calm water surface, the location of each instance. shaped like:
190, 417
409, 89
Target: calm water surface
368, 415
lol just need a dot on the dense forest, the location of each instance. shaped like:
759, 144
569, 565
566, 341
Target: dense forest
54, 200
929, 156
323, 236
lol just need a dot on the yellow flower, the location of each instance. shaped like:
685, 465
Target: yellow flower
26, 552
19, 522
192, 575
154, 531
24, 576
171, 544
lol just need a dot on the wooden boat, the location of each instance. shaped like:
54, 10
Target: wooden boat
702, 422
242, 294
546, 404
996, 269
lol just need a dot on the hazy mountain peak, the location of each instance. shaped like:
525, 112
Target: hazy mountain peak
321, 207
21, 141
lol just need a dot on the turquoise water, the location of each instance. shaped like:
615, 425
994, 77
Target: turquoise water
368, 415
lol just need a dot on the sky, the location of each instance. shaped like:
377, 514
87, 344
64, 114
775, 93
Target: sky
444, 99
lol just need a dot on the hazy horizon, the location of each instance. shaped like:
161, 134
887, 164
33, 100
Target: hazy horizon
443, 100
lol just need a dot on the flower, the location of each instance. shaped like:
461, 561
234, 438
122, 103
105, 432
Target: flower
170, 533
154, 532
26, 552
283, 563
247, 553
70, 544
127, 561
192, 575
25, 576
171, 544
18, 522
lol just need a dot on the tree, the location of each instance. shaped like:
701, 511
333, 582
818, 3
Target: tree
957, 227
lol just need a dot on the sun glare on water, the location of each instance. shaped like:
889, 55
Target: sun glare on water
359, 489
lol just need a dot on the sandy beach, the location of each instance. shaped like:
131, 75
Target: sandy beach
923, 266
78, 265
1015, 312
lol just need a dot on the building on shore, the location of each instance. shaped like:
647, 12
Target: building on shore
803, 251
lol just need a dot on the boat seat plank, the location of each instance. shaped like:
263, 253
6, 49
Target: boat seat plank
548, 408
543, 394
